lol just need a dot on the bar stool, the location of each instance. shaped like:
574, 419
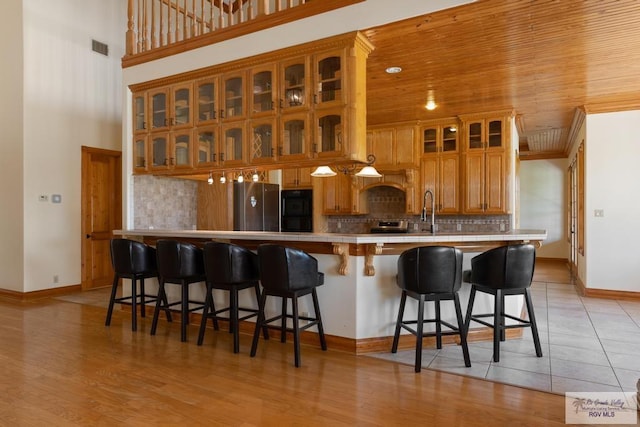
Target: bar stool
134, 261
182, 264
288, 273
430, 273
506, 270
231, 268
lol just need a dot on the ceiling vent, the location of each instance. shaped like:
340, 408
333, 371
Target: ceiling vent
101, 48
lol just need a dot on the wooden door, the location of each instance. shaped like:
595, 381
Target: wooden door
101, 213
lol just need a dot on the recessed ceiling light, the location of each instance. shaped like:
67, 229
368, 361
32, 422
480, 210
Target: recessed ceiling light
393, 70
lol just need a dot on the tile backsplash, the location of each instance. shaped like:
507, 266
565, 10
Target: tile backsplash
164, 203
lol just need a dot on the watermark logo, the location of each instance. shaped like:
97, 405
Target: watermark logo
600, 408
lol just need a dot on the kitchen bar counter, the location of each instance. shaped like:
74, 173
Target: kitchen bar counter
359, 300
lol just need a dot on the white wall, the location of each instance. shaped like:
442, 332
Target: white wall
543, 203
72, 97
11, 153
612, 173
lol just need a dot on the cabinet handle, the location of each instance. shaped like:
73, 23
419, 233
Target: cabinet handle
281, 104
273, 105
222, 157
314, 148
166, 162
272, 151
280, 151
213, 157
144, 125
222, 114
214, 114
172, 161
315, 98
165, 122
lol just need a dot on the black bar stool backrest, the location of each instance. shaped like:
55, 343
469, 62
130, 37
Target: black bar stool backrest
228, 263
505, 267
287, 269
130, 257
179, 259
430, 269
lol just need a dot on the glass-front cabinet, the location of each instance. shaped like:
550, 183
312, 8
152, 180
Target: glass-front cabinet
171, 150
440, 166
140, 154
233, 138
294, 84
170, 107
263, 139
294, 136
206, 101
328, 79
140, 112
263, 91
329, 127
207, 147
234, 99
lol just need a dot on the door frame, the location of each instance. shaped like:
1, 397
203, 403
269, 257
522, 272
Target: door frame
85, 200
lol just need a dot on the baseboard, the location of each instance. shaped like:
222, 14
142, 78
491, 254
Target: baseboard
562, 261
606, 293
34, 295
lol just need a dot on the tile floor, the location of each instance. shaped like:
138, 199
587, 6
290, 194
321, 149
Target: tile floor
589, 345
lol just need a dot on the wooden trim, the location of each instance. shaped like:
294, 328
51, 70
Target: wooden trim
529, 155
563, 261
260, 23
606, 293
35, 295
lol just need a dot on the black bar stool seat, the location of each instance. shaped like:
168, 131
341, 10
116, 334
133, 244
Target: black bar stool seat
430, 273
135, 261
506, 270
288, 273
182, 264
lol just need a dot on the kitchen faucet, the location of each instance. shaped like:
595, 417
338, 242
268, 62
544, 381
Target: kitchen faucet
433, 210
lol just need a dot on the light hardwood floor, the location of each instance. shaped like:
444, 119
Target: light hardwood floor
61, 366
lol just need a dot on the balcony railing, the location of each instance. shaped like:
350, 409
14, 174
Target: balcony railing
176, 25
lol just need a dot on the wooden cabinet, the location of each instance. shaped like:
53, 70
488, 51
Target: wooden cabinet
232, 144
171, 150
296, 178
171, 107
140, 122
263, 134
207, 95
293, 84
294, 136
486, 160
234, 99
440, 167
207, 150
393, 147
340, 196
264, 94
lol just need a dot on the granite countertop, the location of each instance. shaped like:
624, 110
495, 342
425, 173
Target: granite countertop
521, 234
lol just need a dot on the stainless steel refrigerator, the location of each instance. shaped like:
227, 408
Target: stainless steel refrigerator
256, 206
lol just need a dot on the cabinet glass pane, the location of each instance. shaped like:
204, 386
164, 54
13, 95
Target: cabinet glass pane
329, 133
233, 97
233, 144
139, 157
449, 138
206, 147
495, 133
159, 110
293, 138
181, 106
206, 102
329, 79
429, 138
182, 150
139, 113
262, 146
475, 135
294, 85
159, 148
262, 92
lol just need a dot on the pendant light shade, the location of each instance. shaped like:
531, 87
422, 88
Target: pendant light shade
368, 172
323, 171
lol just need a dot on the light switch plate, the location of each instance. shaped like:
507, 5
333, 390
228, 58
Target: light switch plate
598, 213
56, 198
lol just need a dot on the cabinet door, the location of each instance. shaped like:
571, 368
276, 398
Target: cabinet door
304, 177
234, 97
474, 182
337, 195
495, 182
405, 147
206, 92
495, 134
140, 113
232, 153
328, 140
263, 137
140, 154
159, 151
263, 96
429, 176
289, 178
207, 146
159, 108
449, 184
380, 143
181, 150
294, 136
328, 79
294, 85
181, 106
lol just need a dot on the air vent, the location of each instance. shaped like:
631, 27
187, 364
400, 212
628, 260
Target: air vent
100, 47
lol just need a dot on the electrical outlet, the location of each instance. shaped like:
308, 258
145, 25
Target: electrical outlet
43, 198
55, 278
339, 225
599, 213
458, 227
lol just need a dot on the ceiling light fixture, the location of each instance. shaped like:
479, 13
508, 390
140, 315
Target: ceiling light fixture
240, 177
431, 102
223, 178
210, 179
368, 171
393, 70
255, 177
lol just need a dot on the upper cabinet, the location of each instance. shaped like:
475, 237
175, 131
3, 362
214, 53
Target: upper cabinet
304, 105
393, 147
486, 164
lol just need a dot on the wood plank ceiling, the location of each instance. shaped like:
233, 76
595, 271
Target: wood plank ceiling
543, 59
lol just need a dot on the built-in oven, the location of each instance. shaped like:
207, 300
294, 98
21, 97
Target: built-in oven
297, 210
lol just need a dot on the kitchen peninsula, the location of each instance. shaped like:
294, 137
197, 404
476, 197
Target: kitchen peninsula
359, 299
